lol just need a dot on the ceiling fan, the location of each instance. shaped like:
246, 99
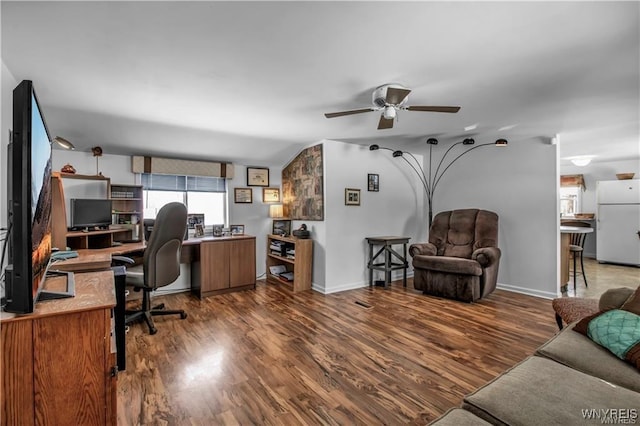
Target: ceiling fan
390, 98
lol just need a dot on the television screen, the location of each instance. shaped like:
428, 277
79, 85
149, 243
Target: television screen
90, 213
29, 201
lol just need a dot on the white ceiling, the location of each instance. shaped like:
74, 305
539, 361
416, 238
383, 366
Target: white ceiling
249, 81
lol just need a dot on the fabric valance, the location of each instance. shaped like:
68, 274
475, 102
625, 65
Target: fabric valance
171, 166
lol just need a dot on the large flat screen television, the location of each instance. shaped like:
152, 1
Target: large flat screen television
29, 202
90, 213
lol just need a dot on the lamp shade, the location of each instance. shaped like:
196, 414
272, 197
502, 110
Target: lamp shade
63, 143
276, 211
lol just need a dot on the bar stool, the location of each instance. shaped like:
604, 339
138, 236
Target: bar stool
576, 248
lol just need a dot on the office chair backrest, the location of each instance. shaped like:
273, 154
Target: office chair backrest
148, 227
162, 255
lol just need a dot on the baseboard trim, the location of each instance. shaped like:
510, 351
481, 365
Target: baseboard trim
342, 287
527, 291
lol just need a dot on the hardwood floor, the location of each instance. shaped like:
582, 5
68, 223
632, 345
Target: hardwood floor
273, 357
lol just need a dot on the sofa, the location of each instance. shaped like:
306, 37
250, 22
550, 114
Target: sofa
569, 380
461, 259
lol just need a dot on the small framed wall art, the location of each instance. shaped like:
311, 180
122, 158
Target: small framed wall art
243, 195
257, 176
351, 197
270, 195
373, 182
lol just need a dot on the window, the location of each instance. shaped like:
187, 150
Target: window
206, 195
570, 200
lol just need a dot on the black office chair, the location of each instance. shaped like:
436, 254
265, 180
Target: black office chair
161, 263
576, 248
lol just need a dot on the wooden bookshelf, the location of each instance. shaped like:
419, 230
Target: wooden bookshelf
299, 261
127, 205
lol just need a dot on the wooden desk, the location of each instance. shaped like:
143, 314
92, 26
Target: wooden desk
218, 264
565, 236
58, 363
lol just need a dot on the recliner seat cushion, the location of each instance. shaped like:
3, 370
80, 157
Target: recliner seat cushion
454, 265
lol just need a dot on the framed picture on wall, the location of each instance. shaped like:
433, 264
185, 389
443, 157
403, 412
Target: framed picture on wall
257, 176
373, 182
243, 195
351, 197
270, 195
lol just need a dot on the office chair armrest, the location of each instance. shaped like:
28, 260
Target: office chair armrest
122, 260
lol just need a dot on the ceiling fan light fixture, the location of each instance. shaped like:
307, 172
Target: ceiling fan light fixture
389, 112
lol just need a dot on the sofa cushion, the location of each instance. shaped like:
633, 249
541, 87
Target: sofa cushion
614, 298
617, 330
453, 265
458, 417
633, 302
580, 353
541, 391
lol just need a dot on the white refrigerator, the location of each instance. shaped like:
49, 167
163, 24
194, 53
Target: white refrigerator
618, 221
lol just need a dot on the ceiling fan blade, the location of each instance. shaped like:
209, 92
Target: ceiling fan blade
395, 96
434, 108
385, 123
342, 113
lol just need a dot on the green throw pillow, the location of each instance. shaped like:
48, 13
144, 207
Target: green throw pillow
616, 330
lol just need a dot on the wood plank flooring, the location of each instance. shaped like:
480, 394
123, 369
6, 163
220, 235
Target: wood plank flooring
273, 357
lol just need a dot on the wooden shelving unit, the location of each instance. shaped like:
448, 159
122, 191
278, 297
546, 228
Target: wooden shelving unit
127, 206
299, 261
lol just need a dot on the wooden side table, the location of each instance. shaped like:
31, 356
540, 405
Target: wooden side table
399, 261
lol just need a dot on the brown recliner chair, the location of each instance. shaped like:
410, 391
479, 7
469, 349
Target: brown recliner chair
461, 259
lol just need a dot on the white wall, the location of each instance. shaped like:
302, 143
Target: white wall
519, 183
396, 210
254, 216
594, 172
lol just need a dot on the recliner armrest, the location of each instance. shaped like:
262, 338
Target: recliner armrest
423, 248
486, 256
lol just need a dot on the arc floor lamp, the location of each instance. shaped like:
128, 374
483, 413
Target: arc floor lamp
430, 180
